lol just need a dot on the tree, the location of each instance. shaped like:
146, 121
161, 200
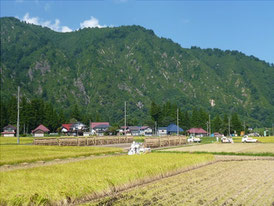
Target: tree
12, 110
36, 113
3, 115
217, 124
75, 113
155, 111
50, 117
167, 121
185, 120
236, 124
225, 125
195, 118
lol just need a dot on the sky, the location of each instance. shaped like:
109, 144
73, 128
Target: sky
246, 26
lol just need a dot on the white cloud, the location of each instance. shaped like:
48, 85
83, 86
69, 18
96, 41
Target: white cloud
66, 29
56, 26
91, 23
33, 20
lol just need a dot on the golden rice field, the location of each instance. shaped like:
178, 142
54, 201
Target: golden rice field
14, 154
13, 140
225, 183
226, 147
64, 183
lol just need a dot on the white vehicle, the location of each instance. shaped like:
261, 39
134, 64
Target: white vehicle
193, 139
247, 139
226, 140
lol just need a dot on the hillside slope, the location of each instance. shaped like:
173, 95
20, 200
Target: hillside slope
99, 69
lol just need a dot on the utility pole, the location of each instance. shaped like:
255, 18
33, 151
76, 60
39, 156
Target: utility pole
125, 117
18, 116
209, 126
177, 122
155, 128
244, 127
229, 126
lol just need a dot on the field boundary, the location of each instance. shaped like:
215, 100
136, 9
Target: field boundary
43, 163
263, 154
113, 191
82, 141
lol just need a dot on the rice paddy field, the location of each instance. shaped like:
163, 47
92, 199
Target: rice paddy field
14, 154
228, 148
13, 140
223, 183
65, 183
268, 139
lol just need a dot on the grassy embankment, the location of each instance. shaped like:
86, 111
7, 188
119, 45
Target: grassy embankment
14, 154
68, 182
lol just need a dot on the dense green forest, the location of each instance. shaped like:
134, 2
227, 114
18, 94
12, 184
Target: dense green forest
37, 111
98, 69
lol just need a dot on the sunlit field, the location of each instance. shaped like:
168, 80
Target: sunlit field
64, 183
14, 154
226, 183
228, 147
260, 139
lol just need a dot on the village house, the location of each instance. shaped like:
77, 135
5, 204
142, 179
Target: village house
99, 128
74, 129
169, 130
145, 131
40, 131
197, 132
162, 131
9, 131
66, 128
122, 131
136, 130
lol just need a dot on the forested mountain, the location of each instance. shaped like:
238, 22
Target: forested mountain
100, 68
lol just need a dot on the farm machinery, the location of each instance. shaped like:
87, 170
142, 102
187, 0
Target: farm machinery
137, 148
226, 140
193, 139
247, 139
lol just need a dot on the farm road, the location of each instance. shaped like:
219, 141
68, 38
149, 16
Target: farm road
5, 168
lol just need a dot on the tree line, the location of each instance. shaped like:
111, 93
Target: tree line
165, 114
37, 111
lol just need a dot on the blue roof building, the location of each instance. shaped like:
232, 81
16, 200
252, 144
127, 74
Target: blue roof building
172, 128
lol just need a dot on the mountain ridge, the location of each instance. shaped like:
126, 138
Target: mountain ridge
99, 69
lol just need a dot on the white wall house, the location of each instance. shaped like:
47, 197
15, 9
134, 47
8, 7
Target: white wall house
9, 131
162, 131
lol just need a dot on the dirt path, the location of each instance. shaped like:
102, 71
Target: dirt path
26, 165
